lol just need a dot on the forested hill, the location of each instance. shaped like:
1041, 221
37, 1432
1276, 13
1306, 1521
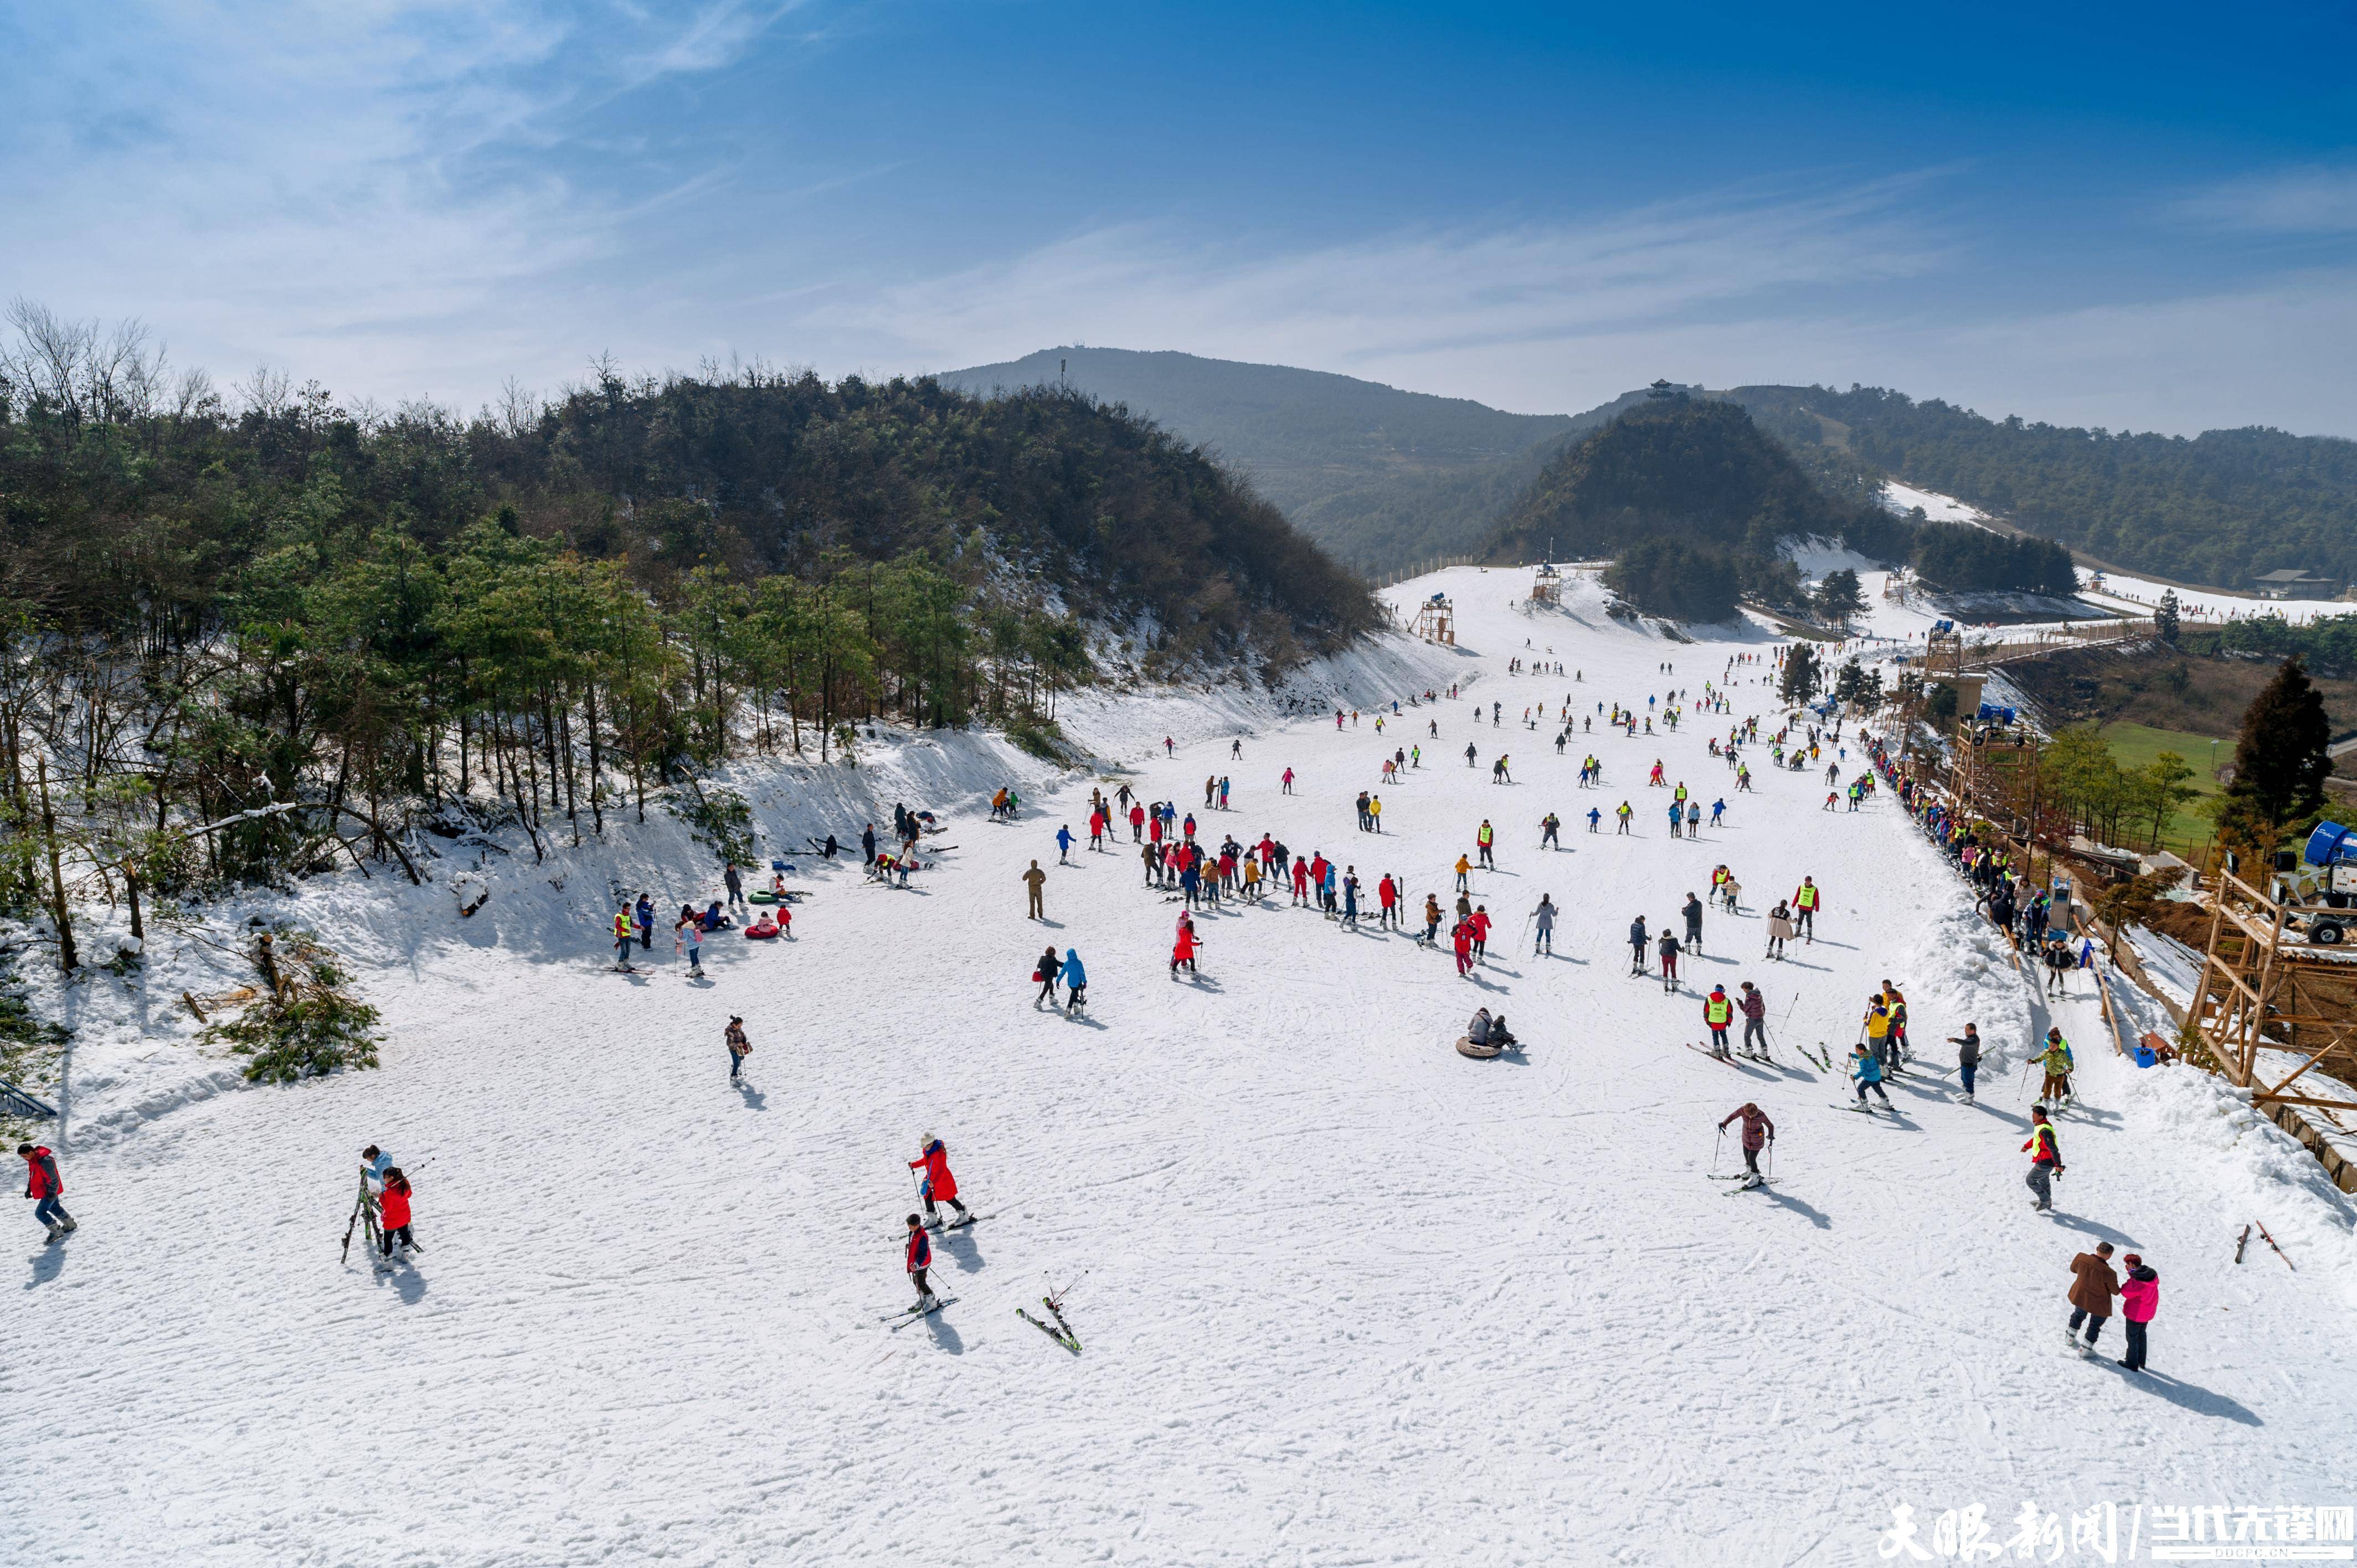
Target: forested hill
1380, 477
1693, 468
2217, 508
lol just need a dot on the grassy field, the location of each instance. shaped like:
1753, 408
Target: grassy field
2133, 746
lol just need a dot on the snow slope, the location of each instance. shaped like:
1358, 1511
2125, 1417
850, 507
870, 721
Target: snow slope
1344, 1295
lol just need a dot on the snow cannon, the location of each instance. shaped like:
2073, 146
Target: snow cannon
2325, 885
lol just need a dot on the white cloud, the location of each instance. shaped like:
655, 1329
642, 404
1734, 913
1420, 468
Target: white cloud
2314, 200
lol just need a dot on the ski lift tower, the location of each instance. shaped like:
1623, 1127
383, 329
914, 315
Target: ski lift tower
1546, 588
1436, 620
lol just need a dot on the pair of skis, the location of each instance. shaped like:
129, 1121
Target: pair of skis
1061, 1333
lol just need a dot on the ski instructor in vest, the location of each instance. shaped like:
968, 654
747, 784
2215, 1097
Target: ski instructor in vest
1805, 899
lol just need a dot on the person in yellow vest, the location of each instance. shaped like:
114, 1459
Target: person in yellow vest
1805, 899
1624, 814
1893, 1000
1485, 839
1718, 1012
622, 934
1877, 1033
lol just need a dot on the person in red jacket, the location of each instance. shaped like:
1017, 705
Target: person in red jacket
917, 1258
939, 1186
1479, 921
45, 1187
1460, 937
392, 1213
1137, 825
2045, 1158
1183, 951
1387, 894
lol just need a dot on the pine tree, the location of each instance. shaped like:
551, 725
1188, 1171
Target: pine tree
2164, 619
1803, 675
1838, 596
2280, 761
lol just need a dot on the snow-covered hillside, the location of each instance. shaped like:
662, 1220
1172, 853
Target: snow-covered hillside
1343, 1296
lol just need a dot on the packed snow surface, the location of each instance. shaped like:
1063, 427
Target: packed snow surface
1343, 1296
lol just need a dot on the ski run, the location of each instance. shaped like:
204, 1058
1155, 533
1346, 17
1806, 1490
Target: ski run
1312, 1287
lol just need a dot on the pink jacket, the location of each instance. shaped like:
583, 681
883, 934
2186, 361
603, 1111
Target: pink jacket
2140, 1294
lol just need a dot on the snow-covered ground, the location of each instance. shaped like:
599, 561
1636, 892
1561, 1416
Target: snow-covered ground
1344, 1296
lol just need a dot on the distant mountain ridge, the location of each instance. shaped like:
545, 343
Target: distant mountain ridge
1380, 477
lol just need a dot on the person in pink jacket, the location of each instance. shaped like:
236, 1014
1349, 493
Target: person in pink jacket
2139, 1299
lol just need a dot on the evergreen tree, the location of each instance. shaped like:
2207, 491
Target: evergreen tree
1803, 674
2165, 618
2280, 761
1838, 598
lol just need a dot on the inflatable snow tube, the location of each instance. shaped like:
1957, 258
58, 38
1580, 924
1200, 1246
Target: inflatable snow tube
760, 933
1466, 1048
760, 897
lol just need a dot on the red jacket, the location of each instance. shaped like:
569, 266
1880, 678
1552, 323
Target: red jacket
939, 1183
1386, 892
1481, 924
1462, 935
921, 1249
392, 1208
1184, 949
41, 1179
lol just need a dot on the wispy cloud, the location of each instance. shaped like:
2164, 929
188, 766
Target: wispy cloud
2315, 200
1396, 299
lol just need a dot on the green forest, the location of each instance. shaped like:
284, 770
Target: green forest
2217, 508
327, 617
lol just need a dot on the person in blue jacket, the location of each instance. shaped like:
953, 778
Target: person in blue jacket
1864, 1067
1076, 981
1063, 843
646, 922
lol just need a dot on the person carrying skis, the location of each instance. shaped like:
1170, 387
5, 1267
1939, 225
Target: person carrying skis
1968, 1057
1718, 1013
1667, 947
1076, 982
45, 1187
739, 1048
1638, 941
918, 1258
1047, 972
2055, 1059
939, 1184
393, 1215
2045, 1152
1868, 1074
1804, 905
1543, 916
1754, 1008
1387, 899
1757, 1133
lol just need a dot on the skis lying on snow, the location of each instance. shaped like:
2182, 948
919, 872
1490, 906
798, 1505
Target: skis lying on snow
901, 1319
2278, 1251
1061, 1334
1821, 1059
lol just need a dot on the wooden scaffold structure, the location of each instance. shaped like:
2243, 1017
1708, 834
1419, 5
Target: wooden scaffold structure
1436, 620
2259, 993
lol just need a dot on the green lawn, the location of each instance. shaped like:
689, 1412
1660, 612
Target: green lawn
2133, 746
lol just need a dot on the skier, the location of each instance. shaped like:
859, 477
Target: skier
1876, 1026
919, 1257
1868, 1074
938, 1184
1754, 1008
1460, 937
1594, 817
1545, 917
1047, 972
1035, 879
1779, 929
1638, 943
1486, 839
1717, 1012
1968, 1057
1667, 947
45, 1187
1076, 983
2093, 1286
1804, 904
1624, 813
1549, 826
1184, 949
1063, 845
1757, 1133
1468, 754
1431, 937
1692, 912
739, 1048
2056, 1061
2045, 1152
622, 941
1464, 868
393, 1216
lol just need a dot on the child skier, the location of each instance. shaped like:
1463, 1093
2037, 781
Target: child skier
918, 1258
1757, 1133
45, 1187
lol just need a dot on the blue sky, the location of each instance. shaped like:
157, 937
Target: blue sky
2142, 218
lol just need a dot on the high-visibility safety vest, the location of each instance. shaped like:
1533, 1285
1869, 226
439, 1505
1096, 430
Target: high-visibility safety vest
1808, 896
1485, 836
1718, 1010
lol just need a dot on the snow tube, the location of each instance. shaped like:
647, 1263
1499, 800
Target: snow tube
760, 932
1466, 1048
761, 897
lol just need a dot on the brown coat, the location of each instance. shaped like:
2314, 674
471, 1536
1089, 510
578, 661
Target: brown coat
2093, 1285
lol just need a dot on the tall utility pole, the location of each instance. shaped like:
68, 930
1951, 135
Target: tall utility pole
67, 960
